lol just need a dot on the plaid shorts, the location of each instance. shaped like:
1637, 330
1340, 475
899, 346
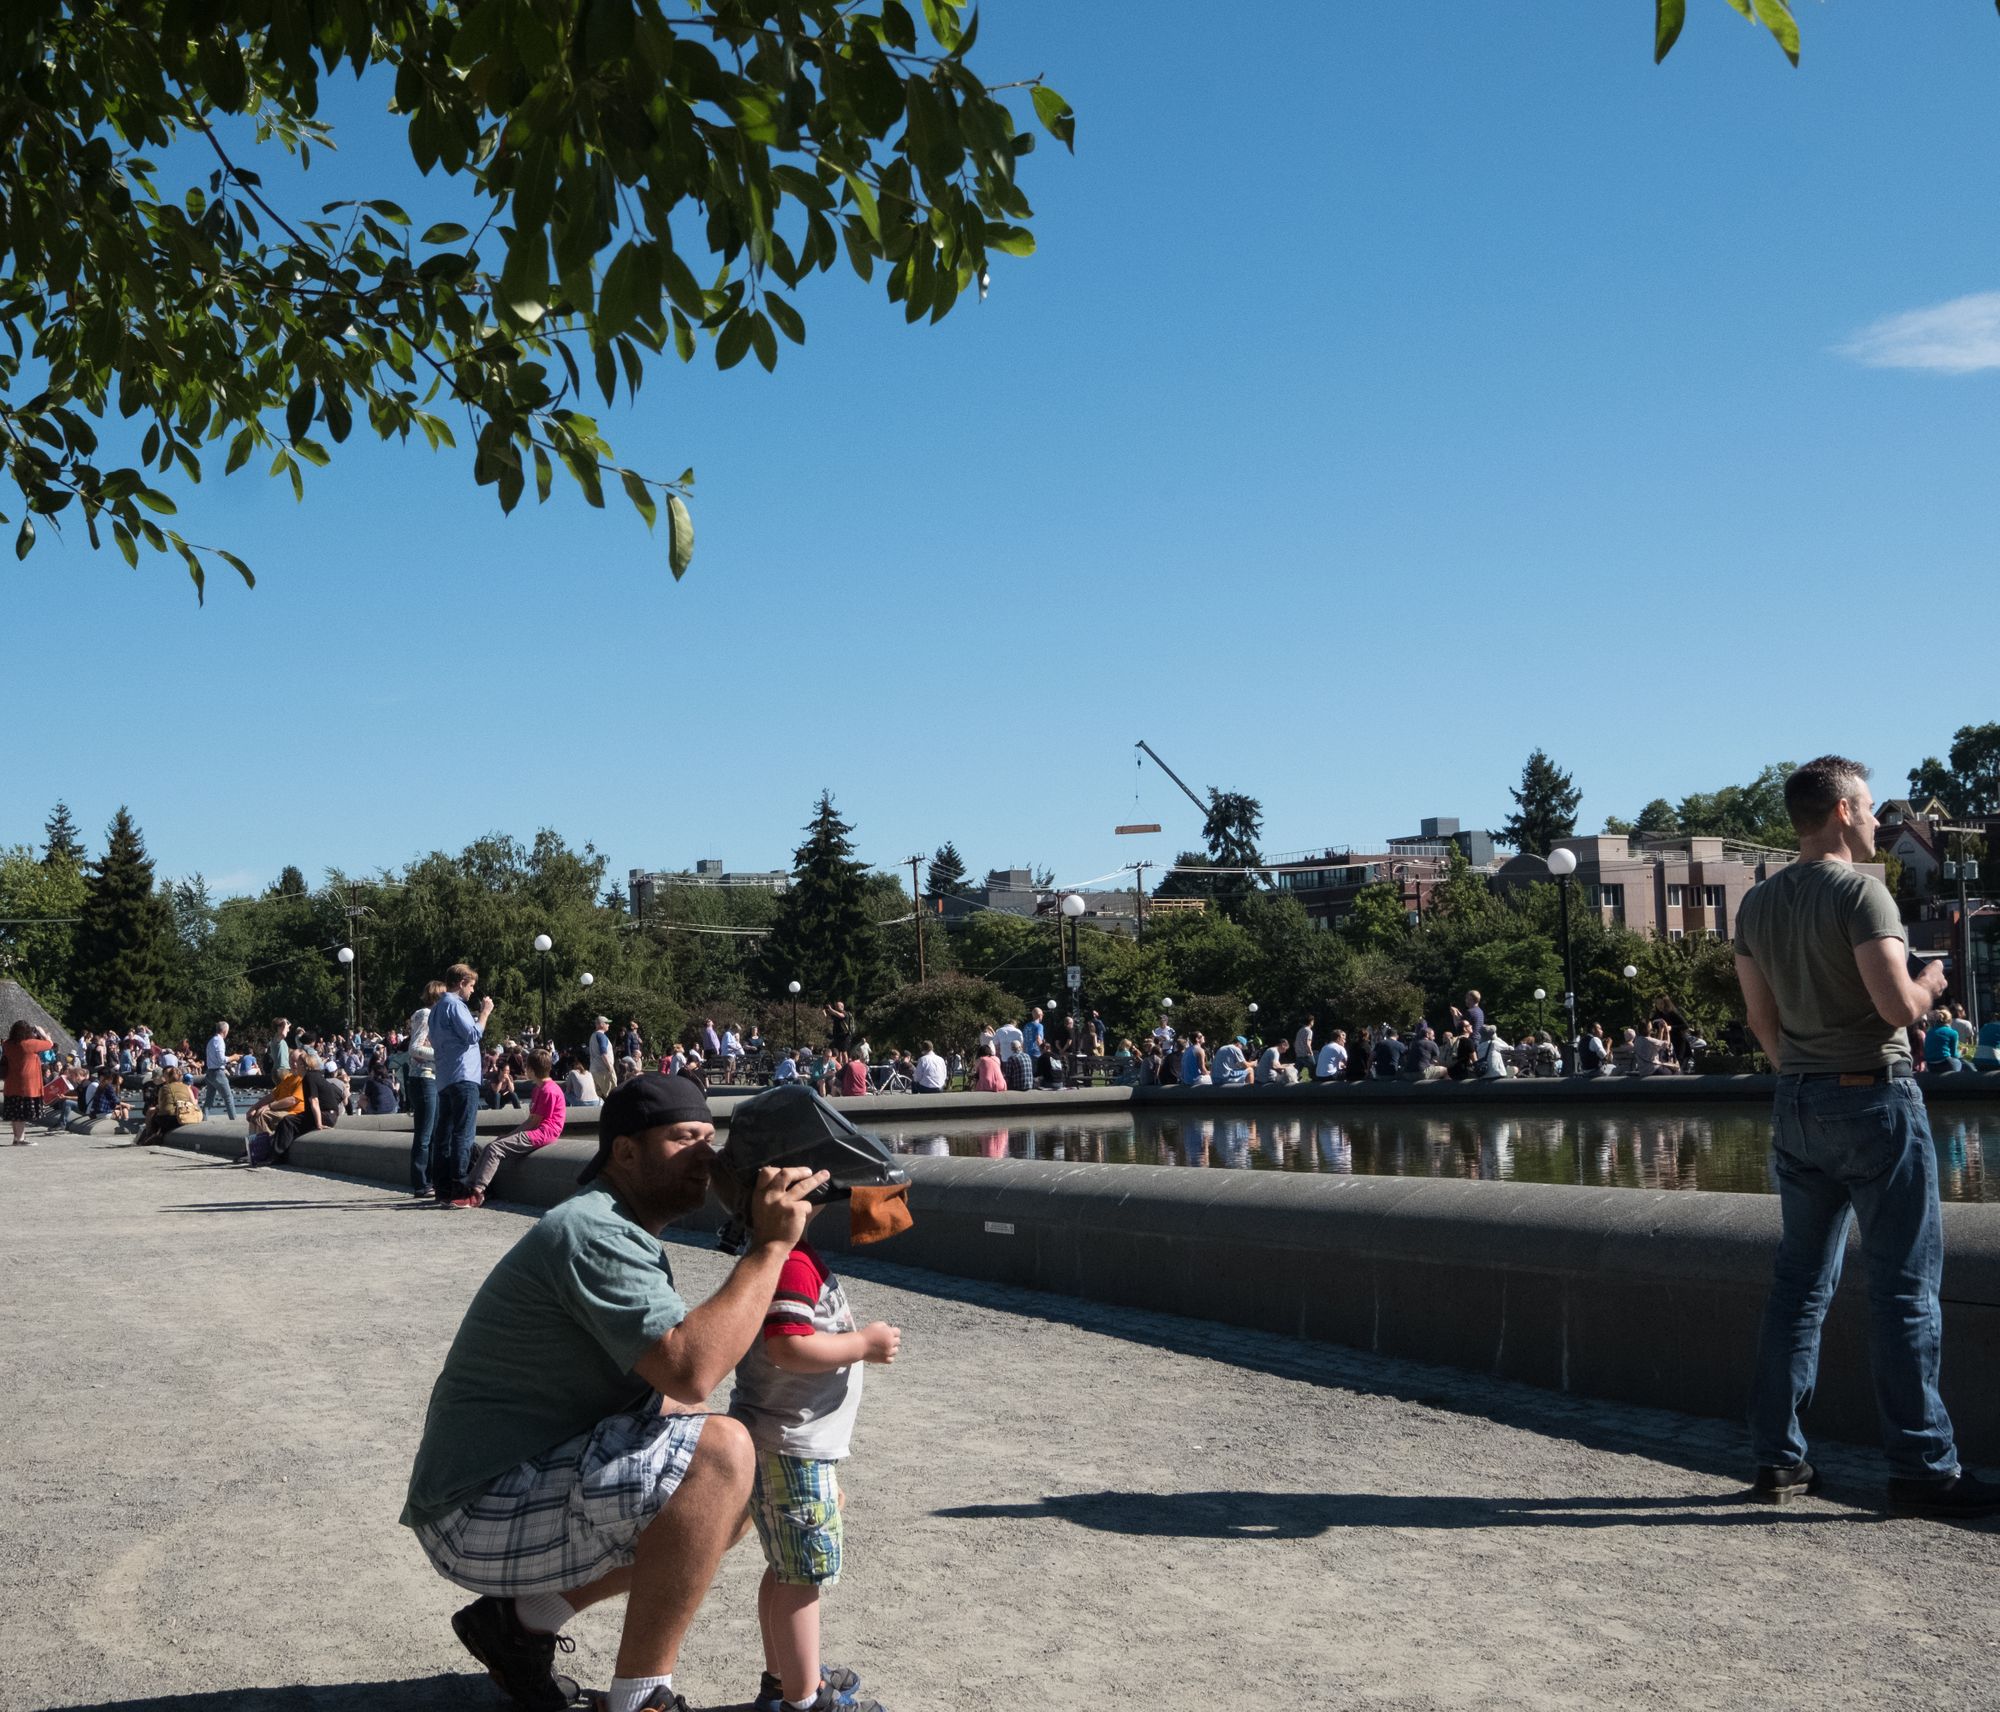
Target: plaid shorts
796, 1506
571, 1514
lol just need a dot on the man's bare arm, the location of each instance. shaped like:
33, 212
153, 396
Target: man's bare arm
698, 1354
1884, 966
1762, 1005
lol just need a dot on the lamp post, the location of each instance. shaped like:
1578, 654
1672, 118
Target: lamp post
1562, 864
346, 956
1541, 993
1256, 1039
543, 946
793, 989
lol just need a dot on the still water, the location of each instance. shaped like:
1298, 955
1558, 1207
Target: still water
1698, 1147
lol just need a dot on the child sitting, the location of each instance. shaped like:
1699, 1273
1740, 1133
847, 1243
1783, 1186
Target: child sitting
798, 1392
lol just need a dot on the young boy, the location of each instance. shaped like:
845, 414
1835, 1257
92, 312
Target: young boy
798, 1392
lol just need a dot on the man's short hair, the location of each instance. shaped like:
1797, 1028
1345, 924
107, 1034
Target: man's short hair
458, 974
1815, 790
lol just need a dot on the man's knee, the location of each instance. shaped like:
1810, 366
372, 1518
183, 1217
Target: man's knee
726, 1451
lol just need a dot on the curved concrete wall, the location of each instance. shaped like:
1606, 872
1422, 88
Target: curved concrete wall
1643, 1296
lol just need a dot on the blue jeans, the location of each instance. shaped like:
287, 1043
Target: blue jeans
452, 1134
1864, 1151
422, 1092
217, 1082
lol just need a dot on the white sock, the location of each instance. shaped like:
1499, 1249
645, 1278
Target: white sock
545, 1613
629, 1693
802, 1705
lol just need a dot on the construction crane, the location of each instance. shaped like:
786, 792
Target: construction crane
1177, 779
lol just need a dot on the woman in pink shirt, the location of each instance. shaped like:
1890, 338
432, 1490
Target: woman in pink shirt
546, 1112
986, 1076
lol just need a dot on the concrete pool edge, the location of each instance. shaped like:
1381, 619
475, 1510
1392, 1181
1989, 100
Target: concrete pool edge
1631, 1295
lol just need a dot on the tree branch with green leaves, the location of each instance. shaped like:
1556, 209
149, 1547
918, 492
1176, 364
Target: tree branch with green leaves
606, 158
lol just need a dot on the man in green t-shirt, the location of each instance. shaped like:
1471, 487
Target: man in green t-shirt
1823, 962
562, 1462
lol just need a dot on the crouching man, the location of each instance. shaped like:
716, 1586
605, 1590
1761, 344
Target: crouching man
560, 1465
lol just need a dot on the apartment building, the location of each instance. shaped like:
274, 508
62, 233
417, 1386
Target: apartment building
1672, 888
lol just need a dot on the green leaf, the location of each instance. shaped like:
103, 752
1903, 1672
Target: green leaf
238, 566
640, 496
764, 342
864, 202
1057, 116
154, 500
388, 210
1668, 16
545, 475
126, 545
299, 413
1010, 240
790, 322
1776, 16
734, 344
527, 311
1743, 6
24, 543
942, 16
445, 232
680, 535
240, 449
314, 453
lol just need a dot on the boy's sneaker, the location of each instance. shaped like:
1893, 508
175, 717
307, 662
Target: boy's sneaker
1782, 1485
1961, 1495
518, 1659
839, 1691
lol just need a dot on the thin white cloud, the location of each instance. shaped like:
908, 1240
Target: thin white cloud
1959, 337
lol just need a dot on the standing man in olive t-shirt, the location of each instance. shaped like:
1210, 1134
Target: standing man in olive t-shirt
1822, 959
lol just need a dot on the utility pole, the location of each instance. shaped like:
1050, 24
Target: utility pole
1139, 900
917, 905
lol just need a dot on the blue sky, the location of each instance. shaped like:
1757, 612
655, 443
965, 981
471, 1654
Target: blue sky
1395, 390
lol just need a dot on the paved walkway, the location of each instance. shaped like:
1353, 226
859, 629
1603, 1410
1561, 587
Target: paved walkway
211, 1382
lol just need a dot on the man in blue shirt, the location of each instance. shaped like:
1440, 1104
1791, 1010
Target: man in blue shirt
455, 1034
216, 1064
1031, 1036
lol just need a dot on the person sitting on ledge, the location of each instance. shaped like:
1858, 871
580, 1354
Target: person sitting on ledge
175, 1106
1229, 1069
986, 1077
547, 1111
564, 1459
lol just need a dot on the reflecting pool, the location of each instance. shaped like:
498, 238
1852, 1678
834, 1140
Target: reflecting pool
1696, 1147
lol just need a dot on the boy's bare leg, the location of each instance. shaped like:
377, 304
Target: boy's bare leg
791, 1639
679, 1551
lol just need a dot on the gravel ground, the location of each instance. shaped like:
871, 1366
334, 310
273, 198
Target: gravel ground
214, 1381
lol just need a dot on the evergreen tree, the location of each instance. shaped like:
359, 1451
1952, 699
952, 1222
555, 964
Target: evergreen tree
1970, 785
615, 899
823, 937
126, 939
1230, 831
64, 845
1545, 808
946, 873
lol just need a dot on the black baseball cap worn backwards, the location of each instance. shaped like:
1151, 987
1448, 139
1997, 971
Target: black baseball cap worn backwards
642, 1104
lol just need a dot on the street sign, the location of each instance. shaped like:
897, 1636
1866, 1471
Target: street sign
1075, 976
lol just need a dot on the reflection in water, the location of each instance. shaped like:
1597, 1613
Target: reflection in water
1715, 1148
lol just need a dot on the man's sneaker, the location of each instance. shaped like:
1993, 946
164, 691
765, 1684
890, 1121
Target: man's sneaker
844, 1685
1961, 1495
518, 1659
475, 1199
1782, 1485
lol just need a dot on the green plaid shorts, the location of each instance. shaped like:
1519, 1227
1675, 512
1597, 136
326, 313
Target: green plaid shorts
796, 1506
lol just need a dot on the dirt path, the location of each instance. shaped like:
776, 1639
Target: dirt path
211, 1383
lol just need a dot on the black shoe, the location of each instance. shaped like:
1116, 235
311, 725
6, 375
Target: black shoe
517, 1658
1782, 1485
1961, 1495
843, 1683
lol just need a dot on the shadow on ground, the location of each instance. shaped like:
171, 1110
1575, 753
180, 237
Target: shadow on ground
1306, 1515
455, 1693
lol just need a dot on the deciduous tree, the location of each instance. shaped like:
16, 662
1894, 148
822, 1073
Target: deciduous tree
617, 180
